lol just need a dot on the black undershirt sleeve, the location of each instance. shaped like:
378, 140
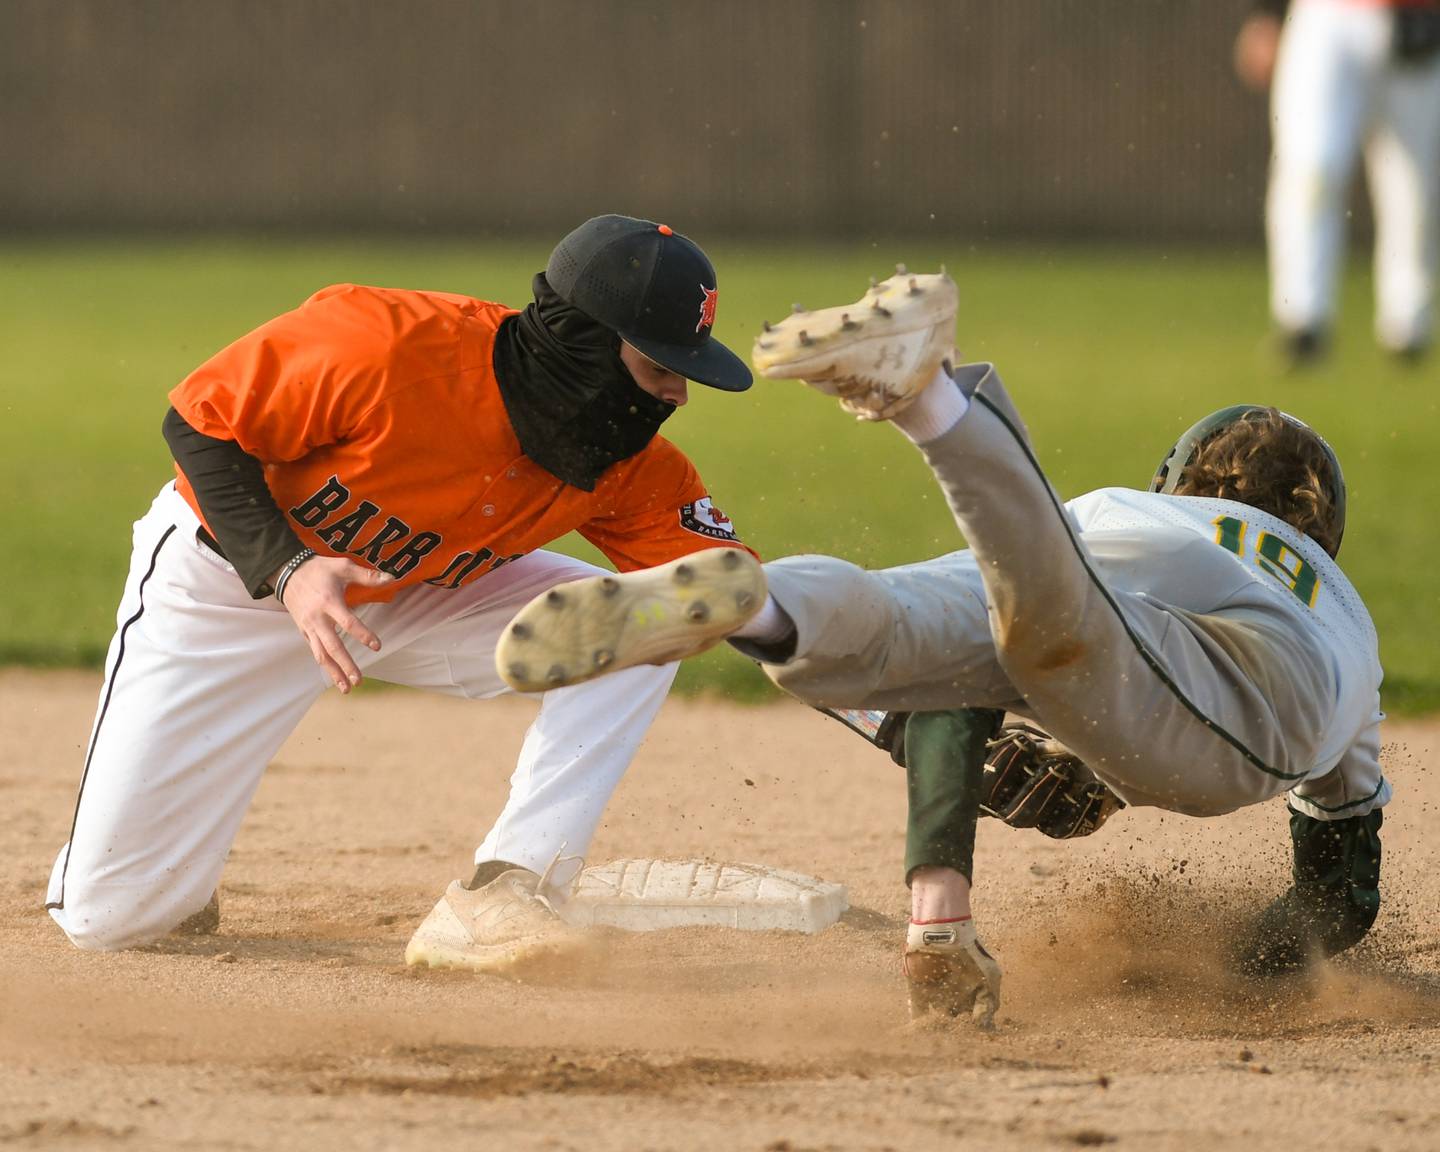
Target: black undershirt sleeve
1276, 8
229, 484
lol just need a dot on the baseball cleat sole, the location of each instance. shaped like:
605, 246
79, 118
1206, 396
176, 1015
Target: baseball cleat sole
586, 628
876, 354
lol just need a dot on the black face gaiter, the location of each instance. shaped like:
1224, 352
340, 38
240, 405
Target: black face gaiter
574, 406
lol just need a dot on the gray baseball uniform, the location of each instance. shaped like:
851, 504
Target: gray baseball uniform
1200, 655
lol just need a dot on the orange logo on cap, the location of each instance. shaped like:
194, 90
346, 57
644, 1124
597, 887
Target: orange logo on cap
707, 307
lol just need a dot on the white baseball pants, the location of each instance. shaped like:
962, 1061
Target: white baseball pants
1338, 93
204, 684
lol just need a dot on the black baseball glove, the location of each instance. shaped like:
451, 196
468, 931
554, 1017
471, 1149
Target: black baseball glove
1032, 781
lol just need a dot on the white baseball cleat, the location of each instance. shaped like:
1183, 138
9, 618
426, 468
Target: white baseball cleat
498, 928
600, 624
877, 354
951, 974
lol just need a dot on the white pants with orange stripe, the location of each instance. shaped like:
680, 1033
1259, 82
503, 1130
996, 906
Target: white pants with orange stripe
204, 684
1340, 94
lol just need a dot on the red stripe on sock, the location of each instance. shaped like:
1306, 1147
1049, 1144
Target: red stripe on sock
948, 920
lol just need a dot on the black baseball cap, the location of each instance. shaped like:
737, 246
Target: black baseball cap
654, 288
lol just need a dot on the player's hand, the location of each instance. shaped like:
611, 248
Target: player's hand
1255, 51
315, 599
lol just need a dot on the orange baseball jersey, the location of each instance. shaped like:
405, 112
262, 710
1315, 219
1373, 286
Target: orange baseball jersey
384, 437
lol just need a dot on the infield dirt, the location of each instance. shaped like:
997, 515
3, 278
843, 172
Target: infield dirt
298, 1027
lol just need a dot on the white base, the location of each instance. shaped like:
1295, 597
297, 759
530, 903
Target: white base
645, 895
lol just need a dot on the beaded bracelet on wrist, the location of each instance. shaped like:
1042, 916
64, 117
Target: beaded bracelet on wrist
289, 570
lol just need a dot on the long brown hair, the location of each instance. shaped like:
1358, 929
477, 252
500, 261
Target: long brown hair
1269, 463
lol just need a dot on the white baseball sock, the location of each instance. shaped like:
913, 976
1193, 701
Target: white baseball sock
770, 625
935, 411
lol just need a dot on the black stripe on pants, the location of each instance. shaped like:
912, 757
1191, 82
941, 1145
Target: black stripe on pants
105, 707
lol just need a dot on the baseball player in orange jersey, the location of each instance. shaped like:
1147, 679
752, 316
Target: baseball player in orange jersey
381, 470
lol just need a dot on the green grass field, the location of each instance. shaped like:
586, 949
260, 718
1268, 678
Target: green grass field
1109, 354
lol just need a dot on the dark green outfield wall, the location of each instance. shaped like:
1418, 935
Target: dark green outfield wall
992, 118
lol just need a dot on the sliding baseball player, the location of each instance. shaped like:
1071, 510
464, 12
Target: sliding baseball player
1195, 646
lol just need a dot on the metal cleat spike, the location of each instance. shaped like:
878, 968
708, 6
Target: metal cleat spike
519, 672
942, 270
875, 307
731, 559
804, 339
764, 345
765, 324
874, 283
556, 675
744, 599
846, 324
683, 574
555, 599
797, 308
609, 586
520, 631
698, 611
901, 270
915, 288
603, 658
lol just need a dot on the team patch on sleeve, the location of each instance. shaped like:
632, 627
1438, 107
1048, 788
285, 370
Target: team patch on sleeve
704, 519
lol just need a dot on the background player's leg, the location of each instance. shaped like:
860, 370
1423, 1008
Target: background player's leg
202, 685
578, 747
1403, 165
1328, 61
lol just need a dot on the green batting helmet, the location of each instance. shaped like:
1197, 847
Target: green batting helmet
1172, 468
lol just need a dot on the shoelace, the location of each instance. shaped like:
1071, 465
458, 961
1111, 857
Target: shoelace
545, 877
